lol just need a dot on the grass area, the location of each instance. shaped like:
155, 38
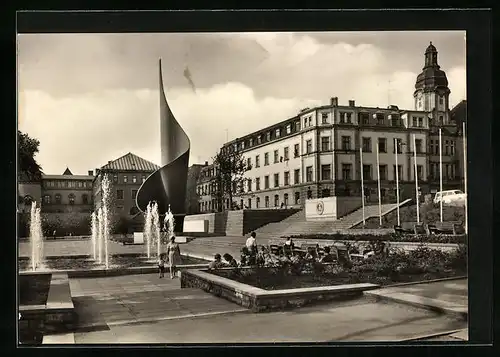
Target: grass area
428, 214
117, 261
34, 289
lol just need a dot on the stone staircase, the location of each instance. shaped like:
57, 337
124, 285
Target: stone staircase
298, 225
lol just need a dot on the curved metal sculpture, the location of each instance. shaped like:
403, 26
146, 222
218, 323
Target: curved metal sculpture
167, 186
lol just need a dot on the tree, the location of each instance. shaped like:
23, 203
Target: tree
230, 167
28, 166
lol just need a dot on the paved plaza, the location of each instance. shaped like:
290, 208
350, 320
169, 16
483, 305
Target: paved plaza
84, 247
146, 309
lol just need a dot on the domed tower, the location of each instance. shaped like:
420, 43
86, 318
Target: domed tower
431, 89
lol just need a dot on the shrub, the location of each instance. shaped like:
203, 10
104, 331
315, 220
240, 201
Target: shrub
392, 237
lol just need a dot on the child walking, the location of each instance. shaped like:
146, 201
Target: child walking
161, 266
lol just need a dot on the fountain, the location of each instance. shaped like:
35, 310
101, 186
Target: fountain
169, 223
106, 188
36, 237
156, 227
148, 231
100, 230
95, 233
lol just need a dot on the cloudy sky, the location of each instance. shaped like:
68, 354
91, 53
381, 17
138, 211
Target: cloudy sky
91, 98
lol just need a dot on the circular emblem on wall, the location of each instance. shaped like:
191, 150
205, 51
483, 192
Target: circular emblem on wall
320, 207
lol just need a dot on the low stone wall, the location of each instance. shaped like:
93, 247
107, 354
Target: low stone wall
254, 219
60, 311
260, 300
56, 315
240, 222
216, 221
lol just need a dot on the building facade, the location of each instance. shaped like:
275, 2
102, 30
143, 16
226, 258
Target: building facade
317, 152
207, 189
67, 193
126, 174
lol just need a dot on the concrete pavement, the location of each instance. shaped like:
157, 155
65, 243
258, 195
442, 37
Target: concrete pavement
145, 309
448, 296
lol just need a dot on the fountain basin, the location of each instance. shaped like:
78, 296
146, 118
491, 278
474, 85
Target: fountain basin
118, 261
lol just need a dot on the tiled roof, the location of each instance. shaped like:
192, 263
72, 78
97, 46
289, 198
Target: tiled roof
130, 162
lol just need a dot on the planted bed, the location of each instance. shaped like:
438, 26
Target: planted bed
283, 283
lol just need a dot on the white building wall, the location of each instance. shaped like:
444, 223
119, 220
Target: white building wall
285, 165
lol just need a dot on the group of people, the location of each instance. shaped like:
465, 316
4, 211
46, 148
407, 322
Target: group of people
172, 256
251, 256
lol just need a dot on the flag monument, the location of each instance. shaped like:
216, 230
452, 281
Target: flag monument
378, 187
362, 184
415, 167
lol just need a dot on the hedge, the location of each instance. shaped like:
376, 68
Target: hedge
392, 237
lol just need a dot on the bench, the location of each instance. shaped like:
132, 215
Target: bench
410, 227
276, 249
451, 227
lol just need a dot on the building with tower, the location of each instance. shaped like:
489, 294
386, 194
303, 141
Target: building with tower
316, 153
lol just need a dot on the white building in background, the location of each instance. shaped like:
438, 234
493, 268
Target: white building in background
316, 153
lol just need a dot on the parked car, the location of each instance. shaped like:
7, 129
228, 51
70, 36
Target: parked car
450, 197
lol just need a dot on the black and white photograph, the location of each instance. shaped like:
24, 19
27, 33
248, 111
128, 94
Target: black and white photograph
242, 187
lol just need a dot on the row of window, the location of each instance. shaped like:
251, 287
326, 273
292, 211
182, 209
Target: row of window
449, 147
67, 184
47, 199
212, 205
449, 171
325, 146
344, 118
125, 179
326, 174
120, 194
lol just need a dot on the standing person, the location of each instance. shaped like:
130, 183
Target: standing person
161, 266
288, 246
174, 255
251, 243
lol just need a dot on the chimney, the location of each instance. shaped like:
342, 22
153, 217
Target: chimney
206, 163
352, 103
334, 101
91, 173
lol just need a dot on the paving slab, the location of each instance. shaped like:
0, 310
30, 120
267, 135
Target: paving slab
132, 299
366, 321
449, 297
146, 309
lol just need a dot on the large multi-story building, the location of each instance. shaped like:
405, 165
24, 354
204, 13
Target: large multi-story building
67, 192
126, 174
317, 152
207, 188
58, 193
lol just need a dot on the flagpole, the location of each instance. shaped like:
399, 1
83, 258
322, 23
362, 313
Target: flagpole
416, 176
378, 184
441, 175
396, 146
362, 184
465, 176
